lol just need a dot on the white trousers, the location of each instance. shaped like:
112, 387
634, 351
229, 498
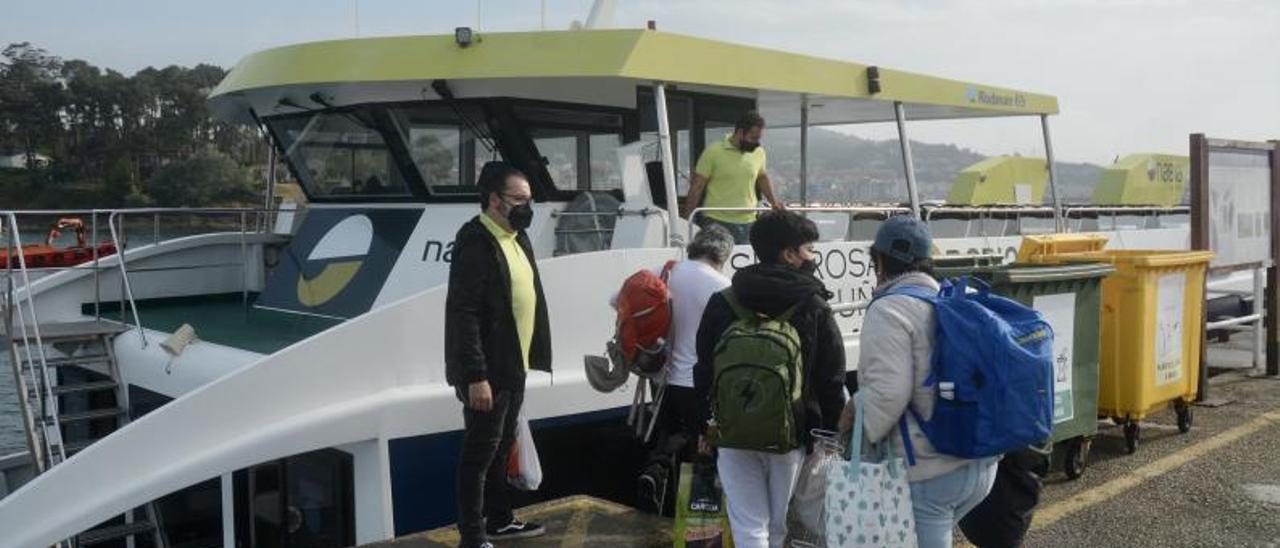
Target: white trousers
758, 487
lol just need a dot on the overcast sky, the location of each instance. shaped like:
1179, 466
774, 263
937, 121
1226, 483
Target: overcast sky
1130, 75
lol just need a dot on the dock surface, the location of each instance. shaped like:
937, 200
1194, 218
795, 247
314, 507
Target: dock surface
1217, 485
572, 522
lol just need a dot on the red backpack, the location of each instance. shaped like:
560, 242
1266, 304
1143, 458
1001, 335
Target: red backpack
644, 320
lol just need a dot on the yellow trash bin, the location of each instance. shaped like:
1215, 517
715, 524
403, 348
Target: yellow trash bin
1152, 325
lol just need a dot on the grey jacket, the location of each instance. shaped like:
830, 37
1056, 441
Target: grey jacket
896, 344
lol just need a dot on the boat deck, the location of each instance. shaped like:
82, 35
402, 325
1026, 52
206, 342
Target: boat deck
573, 521
224, 319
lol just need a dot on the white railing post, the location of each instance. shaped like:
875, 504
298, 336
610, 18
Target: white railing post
664, 147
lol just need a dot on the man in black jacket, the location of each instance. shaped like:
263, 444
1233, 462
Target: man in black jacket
759, 484
496, 328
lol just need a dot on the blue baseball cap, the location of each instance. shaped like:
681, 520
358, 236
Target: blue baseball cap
904, 238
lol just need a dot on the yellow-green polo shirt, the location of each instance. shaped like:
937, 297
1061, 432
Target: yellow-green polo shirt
524, 298
731, 179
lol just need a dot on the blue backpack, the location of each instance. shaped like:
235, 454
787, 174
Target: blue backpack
992, 371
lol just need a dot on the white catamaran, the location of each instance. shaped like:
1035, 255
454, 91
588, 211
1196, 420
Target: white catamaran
281, 383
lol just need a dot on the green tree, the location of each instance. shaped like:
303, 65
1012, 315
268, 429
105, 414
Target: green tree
208, 178
30, 100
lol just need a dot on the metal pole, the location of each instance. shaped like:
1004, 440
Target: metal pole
244, 264
1259, 334
900, 115
668, 163
804, 150
97, 273
127, 293
271, 187
1053, 174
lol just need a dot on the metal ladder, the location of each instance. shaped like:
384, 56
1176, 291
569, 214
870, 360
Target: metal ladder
71, 395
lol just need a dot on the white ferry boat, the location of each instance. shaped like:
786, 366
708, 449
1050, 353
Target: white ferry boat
279, 380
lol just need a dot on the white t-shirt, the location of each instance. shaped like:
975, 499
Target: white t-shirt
692, 283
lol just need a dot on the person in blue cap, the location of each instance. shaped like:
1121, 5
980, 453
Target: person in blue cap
896, 345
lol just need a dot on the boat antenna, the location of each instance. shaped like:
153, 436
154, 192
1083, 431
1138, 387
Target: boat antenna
601, 15
441, 88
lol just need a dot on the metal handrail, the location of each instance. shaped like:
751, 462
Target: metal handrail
623, 212
888, 211
43, 384
1080, 213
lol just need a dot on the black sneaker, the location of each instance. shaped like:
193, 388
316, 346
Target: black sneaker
647, 493
516, 529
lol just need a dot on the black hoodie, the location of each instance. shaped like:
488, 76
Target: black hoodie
770, 290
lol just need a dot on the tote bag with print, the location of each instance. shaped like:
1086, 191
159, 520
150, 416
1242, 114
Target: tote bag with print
868, 499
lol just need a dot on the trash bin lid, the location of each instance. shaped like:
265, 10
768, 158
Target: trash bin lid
1154, 258
970, 262
1022, 274
1054, 248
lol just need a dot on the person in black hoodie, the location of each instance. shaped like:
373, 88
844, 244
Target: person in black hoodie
759, 484
496, 327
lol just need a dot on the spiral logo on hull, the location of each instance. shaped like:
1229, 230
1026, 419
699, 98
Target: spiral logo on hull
342, 251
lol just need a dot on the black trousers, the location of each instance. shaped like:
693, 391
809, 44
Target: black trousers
483, 495
678, 428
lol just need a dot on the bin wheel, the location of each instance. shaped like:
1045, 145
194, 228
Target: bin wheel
1184, 416
1131, 434
1077, 458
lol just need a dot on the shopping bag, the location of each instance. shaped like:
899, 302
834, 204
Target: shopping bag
806, 515
702, 519
524, 470
868, 497
1003, 518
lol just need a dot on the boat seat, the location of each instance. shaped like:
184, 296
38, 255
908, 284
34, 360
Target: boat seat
587, 223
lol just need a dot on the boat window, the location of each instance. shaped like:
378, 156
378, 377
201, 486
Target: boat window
305, 500
339, 154
578, 147
445, 151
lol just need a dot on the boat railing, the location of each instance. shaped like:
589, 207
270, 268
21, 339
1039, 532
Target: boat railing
1082, 213
620, 212
1006, 214
161, 223
116, 219
853, 212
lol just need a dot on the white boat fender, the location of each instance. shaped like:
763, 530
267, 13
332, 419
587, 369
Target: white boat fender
177, 342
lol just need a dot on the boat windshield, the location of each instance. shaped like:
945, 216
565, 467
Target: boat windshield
432, 151
339, 154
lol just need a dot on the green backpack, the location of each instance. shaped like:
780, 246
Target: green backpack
757, 381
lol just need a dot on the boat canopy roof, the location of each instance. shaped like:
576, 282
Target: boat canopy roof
601, 67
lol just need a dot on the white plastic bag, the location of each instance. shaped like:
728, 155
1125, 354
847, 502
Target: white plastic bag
806, 516
524, 470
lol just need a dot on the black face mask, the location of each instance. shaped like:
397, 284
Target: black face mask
520, 216
809, 266
748, 146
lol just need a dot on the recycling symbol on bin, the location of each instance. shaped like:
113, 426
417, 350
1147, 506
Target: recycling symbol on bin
1060, 367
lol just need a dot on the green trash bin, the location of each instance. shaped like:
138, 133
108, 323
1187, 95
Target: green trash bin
1070, 297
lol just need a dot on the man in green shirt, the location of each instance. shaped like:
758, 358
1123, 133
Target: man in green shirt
731, 173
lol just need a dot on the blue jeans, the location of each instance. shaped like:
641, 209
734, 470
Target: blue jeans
939, 503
